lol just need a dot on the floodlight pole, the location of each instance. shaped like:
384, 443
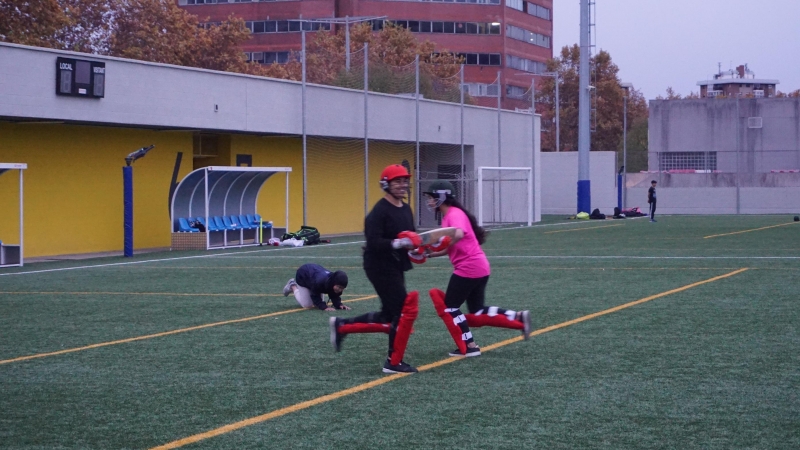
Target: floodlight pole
624, 151
584, 119
127, 199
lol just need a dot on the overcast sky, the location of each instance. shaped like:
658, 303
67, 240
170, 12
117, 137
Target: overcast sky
661, 43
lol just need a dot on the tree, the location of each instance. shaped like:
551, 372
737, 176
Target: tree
392, 52
149, 30
608, 101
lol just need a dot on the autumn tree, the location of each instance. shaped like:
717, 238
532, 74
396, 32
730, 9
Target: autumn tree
392, 52
607, 117
149, 30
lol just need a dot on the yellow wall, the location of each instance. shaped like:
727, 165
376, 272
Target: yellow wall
275, 152
73, 186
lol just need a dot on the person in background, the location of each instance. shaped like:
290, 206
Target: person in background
651, 199
313, 280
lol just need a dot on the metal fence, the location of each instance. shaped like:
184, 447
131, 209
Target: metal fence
360, 70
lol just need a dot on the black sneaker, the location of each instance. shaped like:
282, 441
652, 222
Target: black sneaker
336, 337
471, 351
399, 368
525, 318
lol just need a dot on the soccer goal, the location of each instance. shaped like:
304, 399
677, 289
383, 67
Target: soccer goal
505, 196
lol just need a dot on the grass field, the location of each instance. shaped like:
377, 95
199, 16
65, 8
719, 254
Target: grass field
696, 345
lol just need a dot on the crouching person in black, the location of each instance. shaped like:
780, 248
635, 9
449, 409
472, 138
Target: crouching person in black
313, 280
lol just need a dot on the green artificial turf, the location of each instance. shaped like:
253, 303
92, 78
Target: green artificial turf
711, 366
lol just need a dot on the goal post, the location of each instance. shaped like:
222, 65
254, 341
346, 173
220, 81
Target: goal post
505, 196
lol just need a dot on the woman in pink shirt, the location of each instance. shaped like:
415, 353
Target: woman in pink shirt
470, 276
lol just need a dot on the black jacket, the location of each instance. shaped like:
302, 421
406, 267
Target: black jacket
651, 195
381, 226
318, 280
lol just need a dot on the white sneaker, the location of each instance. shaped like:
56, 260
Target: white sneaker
288, 288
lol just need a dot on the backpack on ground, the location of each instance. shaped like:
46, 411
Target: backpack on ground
309, 235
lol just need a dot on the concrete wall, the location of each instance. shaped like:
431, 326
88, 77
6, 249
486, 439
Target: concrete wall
75, 146
560, 182
721, 126
719, 200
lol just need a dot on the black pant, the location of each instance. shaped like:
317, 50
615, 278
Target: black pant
390, 285
471, 290
652, 210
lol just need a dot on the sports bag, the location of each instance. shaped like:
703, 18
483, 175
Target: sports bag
309, 235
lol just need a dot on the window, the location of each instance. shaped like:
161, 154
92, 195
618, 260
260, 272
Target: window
294, 26
283, 26
530, 37
514, 4
461, 27
438, 27
449, 27
270, 26
688, 160
515, 91
474, 59
515, 62
425, 27
416, 26
413, 26
258, 27
480, 89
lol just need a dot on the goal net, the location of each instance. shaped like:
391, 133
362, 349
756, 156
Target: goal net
505, 196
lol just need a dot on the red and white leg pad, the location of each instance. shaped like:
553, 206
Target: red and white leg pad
437, 296
405, 326
497, 320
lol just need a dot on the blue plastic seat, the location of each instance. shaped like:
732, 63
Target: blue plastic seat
213, 227
246, 224
183, 226
219, 223
257, 219
236, 224
228, 225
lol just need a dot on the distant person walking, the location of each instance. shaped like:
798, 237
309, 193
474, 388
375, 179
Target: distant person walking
651, 199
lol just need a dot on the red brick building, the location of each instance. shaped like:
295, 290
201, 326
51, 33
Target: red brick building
509, 36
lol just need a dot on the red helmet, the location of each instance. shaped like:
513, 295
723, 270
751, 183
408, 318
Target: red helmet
393, 172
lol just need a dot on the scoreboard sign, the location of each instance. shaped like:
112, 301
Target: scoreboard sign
79, 78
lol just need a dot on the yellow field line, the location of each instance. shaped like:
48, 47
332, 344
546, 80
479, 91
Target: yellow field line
362, 387
747, 231
165, 294
584, 228
166, 333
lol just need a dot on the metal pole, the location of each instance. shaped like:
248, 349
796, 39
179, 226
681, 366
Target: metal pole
533, 151
625, 151
558, 117
584, 125
499, 113
305, 138
347, 42
463, 181
366, 129
21, 223
416, 156
205, 201
286, 206
499, 149
738, 175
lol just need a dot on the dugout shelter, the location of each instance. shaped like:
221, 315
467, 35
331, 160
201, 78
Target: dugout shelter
224, 199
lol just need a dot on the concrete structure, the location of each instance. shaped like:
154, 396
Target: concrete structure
74, 147
510, 36
723, 156
560, 176
741, 82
